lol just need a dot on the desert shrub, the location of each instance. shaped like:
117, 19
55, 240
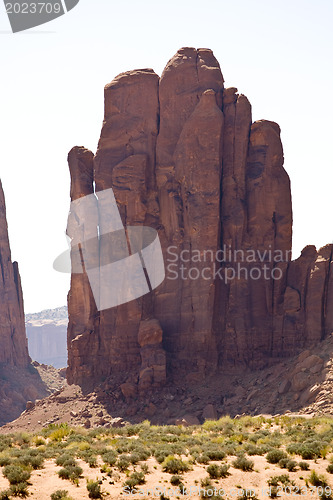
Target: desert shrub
23, 438
65, 459
283, 463
135, 479
60, 495
162, 452
5, 442
110, 457
291, 465
60, 432
94, 489
39, 441
174, 465
243, 463
246, 494
310, 449
317, 480
16, 474
33, 458
284, 480
213, 452
329, 468
274, 456
5, 495
144, 468
201, 458
71, 472
123, 462
19, 490
175, 480
5, 460
304, 465
217, 471
89, 457
252, 449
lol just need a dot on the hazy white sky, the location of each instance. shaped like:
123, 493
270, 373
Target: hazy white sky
278, 53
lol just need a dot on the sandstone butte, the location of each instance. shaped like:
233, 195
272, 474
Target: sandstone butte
183, 156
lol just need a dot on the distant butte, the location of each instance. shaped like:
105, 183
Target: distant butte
183, 156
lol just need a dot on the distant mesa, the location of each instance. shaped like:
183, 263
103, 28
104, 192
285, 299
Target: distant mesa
47, 336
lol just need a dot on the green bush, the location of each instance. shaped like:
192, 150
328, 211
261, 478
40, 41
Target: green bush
5, 495
16, 474
291, 465
70, 472
65, 459
19, 490
110, 457
59, 495
329, 468
317, 480
135, 479
174, 465
5, 460
94, 489
304, 465
274, 456
217, 471
175, 480
243, 464
283, 463
123, 463
213, 452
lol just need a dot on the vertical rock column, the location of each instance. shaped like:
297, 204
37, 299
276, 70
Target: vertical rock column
188, 173
83, 334
13, 341
125, 162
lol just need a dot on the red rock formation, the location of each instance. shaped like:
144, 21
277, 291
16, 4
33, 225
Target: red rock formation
182, 156
13, 341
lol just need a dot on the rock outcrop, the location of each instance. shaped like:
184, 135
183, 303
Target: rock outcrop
13, 341
182, 156
19, 380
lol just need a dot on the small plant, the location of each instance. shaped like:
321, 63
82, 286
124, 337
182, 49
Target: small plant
94, 489
19, 490
123, 463
174, 465
144, 468
291, 465
330, 468
65, 459
317, 480
274, 456
175, 480
16, 474
71, 472
217, 471
243, 464
5, 495
5, 460
304, 465
60, 495
110, 457
135, 479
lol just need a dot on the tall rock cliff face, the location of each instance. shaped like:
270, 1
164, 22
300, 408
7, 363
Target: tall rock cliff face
13, 341
182, 156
